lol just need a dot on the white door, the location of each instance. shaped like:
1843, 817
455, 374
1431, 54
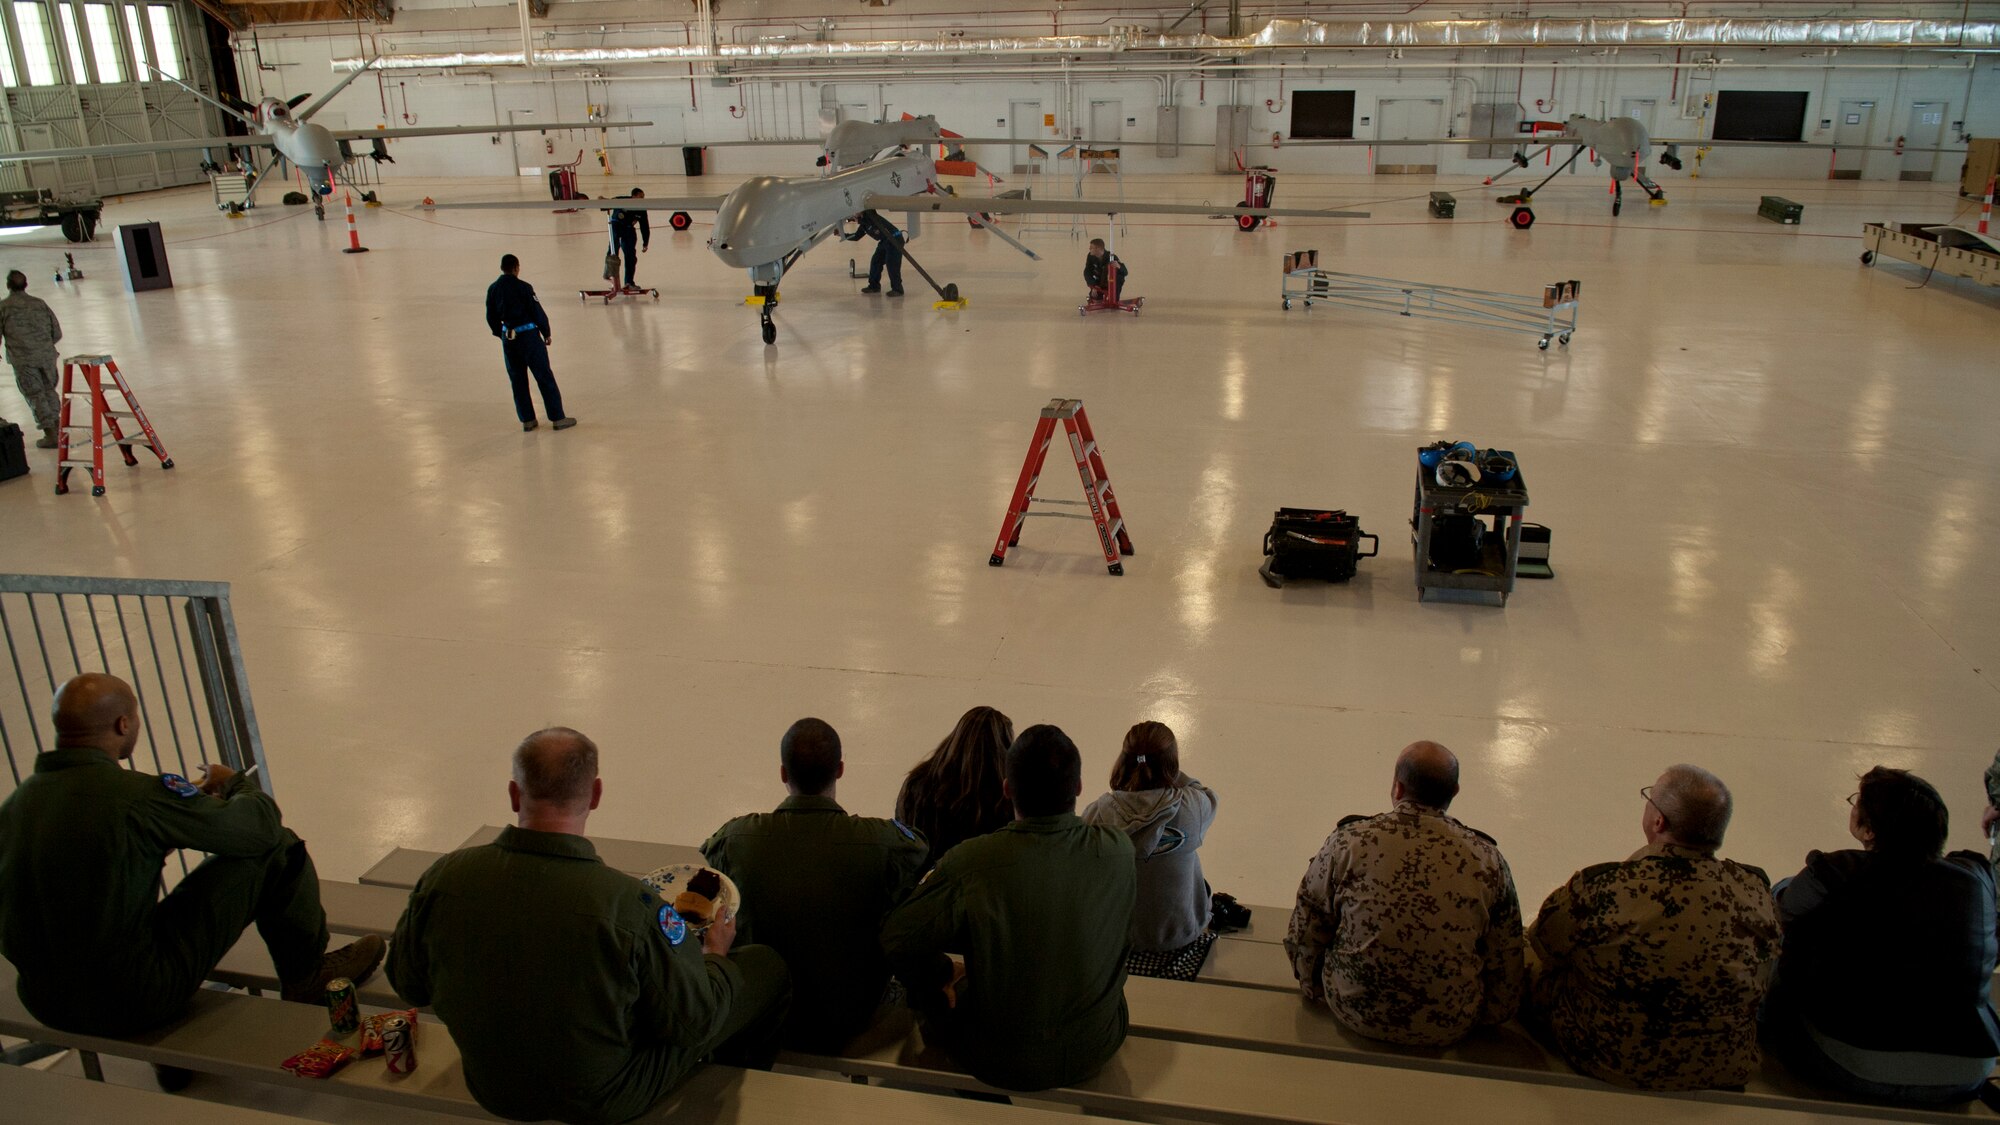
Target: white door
1925, 130
1851, 130
1107, 123
1024, 123
529, 156
669, 127
1397, 118
1642, 110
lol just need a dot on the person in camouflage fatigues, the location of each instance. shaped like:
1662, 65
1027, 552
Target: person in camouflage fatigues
1649, 972
1407, 924
31, 330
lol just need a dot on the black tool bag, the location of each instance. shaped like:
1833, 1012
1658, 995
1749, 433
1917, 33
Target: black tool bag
13, 452
1314, 543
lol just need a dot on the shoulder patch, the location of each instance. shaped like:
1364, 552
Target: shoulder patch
908, 832
1347, 820
179, 786
672, 925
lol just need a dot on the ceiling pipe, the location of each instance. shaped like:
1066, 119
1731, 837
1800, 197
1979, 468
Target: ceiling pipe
1307, 35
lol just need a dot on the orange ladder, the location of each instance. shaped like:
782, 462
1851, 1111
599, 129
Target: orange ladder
94, 369
1103, 505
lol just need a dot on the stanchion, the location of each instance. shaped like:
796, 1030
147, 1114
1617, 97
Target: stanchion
1986, 208
353, 236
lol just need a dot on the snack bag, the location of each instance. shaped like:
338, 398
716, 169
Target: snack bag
319, 1060
371, 1029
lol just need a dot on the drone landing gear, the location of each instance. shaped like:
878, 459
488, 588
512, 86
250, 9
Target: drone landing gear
766, 297
1521, 218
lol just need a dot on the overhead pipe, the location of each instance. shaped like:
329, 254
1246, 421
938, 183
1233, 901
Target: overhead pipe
1906, 34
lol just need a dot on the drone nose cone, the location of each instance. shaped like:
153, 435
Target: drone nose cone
759, 221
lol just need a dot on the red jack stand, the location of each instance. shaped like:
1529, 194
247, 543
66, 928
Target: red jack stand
1106, 298
93, 368
1111, 534
616, 291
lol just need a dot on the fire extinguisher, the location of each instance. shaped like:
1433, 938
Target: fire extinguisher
549, 147
1275, 138
1899, 146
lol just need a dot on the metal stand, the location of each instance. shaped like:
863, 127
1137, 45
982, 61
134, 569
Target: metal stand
1509, 312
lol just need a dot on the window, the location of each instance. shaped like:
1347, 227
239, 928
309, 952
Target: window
7, 75
1323, 114
36, 48
137, 30
104, 42
73, 40
166, 46
1759, 115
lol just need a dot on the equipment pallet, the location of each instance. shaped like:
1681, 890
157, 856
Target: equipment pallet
610, 295
1925, 246
1550, 316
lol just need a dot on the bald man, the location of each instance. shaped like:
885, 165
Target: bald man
82, 842
1407, 925
1649, 972
817, 882
571, 990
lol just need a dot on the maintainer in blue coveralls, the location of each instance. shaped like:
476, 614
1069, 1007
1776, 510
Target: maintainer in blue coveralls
522, 325
631, 232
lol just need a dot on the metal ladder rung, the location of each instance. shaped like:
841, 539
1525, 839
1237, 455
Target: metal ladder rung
132, 439
1114, 527
1048, 515
79, 464
1051, 500
1089, 447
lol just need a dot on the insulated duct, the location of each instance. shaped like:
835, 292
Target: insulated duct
1814, 34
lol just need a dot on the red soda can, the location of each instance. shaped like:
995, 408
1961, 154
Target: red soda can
399, 1045
343, 1006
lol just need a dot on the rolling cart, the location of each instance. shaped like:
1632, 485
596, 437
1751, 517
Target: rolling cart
1549, 317
1441, 511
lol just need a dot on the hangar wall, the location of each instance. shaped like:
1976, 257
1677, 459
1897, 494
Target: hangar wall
980, 96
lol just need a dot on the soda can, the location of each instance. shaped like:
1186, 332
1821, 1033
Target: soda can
399, 1045
343, 1006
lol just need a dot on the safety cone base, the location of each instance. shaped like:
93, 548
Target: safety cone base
952, 305
754, 299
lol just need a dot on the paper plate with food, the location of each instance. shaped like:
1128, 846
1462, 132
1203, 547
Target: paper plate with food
695, 892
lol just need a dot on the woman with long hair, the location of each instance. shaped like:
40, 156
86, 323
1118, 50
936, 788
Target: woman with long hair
955, 794
1167, 814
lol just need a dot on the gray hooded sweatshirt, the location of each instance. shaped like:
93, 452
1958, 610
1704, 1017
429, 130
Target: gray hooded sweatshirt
1166, 826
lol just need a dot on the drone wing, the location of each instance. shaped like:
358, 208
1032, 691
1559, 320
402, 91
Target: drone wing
978, 205
476, 130
139, 148
649, 203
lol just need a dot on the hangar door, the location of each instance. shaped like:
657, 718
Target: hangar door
1398, 118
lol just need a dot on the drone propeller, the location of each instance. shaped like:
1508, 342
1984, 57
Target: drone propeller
298, 101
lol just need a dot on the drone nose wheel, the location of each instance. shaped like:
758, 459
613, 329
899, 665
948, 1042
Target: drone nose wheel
1521, 218
680, 220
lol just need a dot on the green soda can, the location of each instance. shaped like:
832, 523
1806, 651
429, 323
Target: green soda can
343, 1006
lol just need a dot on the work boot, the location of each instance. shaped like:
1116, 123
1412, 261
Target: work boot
526, 426
564, 423
356, 961
871, 289
48, 438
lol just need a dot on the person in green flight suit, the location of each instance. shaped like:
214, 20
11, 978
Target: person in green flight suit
82, 841
817, 883
1040, 910
571, 990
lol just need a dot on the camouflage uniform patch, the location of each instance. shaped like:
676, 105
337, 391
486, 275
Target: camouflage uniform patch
1649, 972
1408, 928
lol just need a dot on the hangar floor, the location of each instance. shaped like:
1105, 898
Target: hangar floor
1770, 474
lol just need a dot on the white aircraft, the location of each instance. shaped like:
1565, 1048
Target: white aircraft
768, 222
1620, 142
318, 152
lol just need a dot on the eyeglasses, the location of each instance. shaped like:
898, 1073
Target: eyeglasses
1647, 793
1851, 798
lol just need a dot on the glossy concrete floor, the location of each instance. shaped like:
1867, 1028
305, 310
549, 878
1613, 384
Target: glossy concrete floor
1770, 472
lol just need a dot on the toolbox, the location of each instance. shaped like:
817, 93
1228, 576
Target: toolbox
1443, 205
1778, 209
13, 452
1313, 543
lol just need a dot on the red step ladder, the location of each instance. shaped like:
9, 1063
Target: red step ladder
1103, 505
93, 370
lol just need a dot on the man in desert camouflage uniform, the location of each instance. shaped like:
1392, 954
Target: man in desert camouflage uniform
1649, 972
1407, 924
